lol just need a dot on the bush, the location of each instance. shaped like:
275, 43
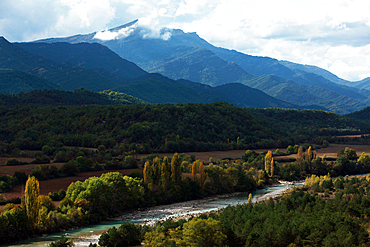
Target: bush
13, 162
62, 242
70, 168
128, 234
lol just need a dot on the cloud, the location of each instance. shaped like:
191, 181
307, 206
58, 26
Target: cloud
332, 34
117, 34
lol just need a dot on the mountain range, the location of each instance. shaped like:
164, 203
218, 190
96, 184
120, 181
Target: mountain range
178, 67
65, 66
187, 56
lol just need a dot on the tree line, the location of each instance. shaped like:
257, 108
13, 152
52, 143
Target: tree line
167, 128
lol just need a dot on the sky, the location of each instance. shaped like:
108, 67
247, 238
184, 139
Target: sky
331, 34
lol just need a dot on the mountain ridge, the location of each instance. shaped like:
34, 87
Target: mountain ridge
182, 56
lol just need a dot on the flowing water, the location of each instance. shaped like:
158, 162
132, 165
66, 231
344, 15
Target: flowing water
86, 235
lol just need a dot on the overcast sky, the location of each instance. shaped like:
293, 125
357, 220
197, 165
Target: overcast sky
331, 34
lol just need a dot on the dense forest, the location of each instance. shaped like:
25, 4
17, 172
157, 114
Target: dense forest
78, 97
167, 128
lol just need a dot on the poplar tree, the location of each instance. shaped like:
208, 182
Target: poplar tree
176, 168
194, 170
146, 172
272, 167
31, 194
202, 173
268, 159
165, 174
300, 157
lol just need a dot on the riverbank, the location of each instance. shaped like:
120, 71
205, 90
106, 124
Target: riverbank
193, 208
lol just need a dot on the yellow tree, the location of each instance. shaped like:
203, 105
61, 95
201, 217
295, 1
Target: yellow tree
268, 159
272, 167
31, 195
250, 198
194, 170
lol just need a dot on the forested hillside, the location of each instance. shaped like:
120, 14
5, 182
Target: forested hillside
67, 98
167, 128
15, 81
64, 75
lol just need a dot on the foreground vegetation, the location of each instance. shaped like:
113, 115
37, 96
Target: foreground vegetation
324, 212
98, 198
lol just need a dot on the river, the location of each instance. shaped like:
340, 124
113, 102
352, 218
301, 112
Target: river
86, 235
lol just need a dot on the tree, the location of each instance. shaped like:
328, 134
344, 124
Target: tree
62, 242
272, 167
250, 198
194, 170
146, 172
128, 234
176, 168
200, 232
31, 195
364, 160
70, 168
300, 157
268, 159
202, 173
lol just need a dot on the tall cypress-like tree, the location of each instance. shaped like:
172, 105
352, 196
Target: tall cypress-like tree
268, 159
300, 157
31, 195
202, 173
176, 169
194, 170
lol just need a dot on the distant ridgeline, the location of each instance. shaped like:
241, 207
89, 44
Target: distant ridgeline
50, 97
168, 128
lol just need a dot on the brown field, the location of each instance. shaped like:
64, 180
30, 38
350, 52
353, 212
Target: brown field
216, 155
330, 151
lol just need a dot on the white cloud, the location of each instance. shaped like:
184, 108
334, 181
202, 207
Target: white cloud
333, 34
110, 35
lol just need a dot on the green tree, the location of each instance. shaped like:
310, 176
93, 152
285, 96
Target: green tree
62, 242
176, 168
128, 234
70, 168
31, 195
194, 170
200, 232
